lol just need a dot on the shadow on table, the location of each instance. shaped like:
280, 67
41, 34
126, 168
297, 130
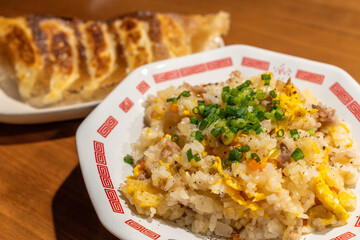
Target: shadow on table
73, 213
15, 134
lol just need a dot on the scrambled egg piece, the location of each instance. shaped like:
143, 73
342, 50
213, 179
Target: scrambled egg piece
293, 106
234, 188
321, 212
142, 192
347, 200
330, 199
340, 136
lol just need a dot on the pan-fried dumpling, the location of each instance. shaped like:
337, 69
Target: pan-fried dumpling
60, 61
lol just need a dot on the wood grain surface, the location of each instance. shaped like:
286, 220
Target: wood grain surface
42, 192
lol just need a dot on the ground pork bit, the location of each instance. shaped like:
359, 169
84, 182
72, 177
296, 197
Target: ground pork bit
327, 115
144, 175
198, 89
235, 74
169, 148
285, 155
288, 82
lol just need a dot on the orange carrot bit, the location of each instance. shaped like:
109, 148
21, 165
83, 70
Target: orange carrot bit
142, 163
174, 108
254, 165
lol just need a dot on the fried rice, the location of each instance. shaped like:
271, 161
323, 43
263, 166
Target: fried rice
243, 159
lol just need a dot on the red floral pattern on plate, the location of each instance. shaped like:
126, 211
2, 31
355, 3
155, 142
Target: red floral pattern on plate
310, 77
126, 105
344, 236
340, 92
106, 128
143, 87
193, 69
142, 229
104, 175
255, 63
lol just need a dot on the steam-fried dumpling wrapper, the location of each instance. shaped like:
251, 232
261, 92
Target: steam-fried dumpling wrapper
60, 61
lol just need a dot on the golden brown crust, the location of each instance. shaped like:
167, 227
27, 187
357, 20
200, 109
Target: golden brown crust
19, 44
62, 61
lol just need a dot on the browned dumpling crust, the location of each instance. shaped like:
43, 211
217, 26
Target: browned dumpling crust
61, 61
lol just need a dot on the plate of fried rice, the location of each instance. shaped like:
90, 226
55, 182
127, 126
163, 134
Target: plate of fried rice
236, 143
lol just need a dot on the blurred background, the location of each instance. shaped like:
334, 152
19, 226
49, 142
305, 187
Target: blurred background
42, 193
323, 30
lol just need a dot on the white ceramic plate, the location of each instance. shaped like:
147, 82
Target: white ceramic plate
15, 111
104, 138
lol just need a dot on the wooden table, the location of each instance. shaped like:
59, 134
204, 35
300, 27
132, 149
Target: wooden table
42, 193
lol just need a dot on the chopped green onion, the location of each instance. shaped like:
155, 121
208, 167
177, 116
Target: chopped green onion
245, 148
175, 138
203, 124
233, 129
297, 154
236, 100
245, 131
238, 123
221, 112
258, 130
279, 114
195, 110
197, 157
212, 117
265, 76
174, 99
185, 94
280, 133
259, 108
194, 120
294, 134
228, 137
260, 95
226, 89
216, 131
311, 131
199, 102
220, 124
252, 102
256, 126
128, 160
189, 154
260, 115
255, 157
276, 102
235, 155
268, 115
201, 109
253, 119
273, 94
246, 84
199, 136
267, 82
247, 155
234, 92
225, 96
244, 103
